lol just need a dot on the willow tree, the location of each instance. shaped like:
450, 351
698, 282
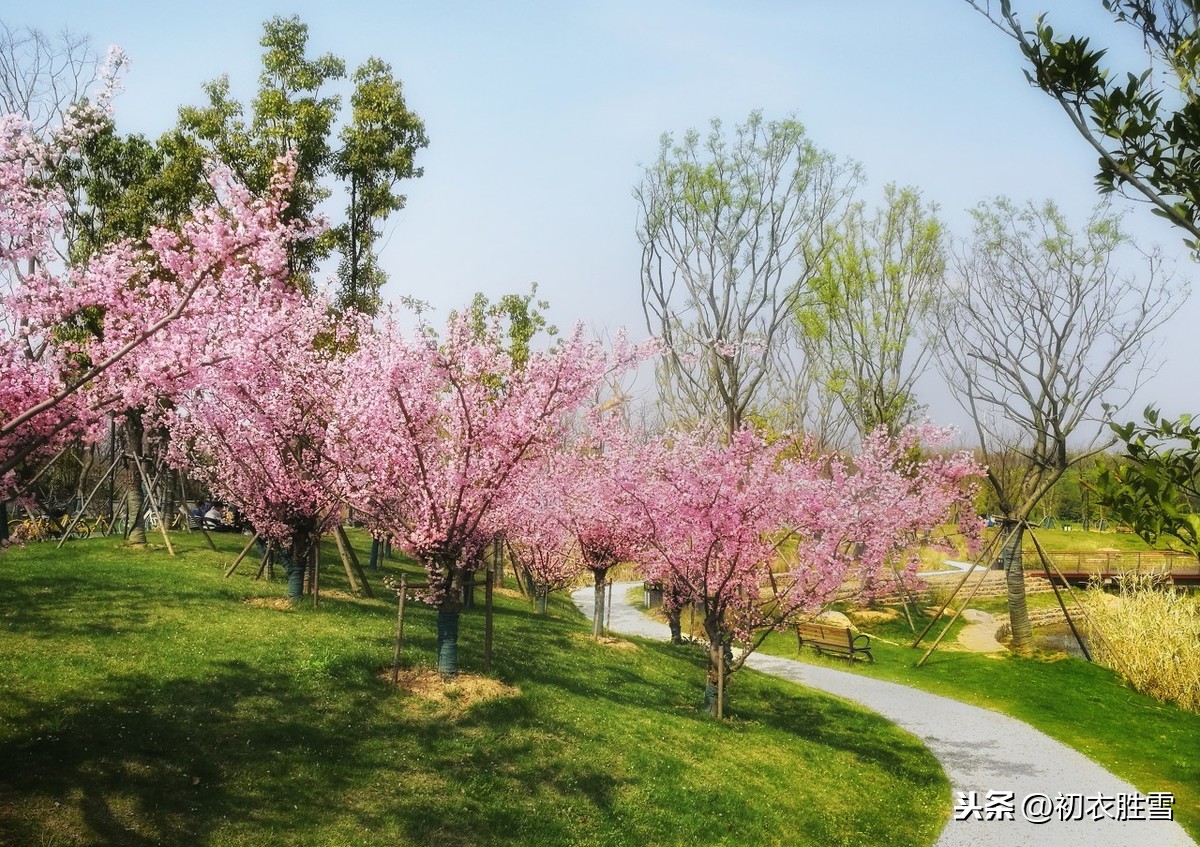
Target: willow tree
1043, 333
732, 229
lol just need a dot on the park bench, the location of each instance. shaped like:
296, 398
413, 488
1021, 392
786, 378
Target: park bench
840, 640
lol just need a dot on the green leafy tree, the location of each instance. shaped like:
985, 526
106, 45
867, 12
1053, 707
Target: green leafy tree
512, 322
120, 186
378, 150
1156, 489
1144, 122
865, 315
732, 228
296, 112
290, 114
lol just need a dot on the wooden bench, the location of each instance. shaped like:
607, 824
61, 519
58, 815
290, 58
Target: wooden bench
840, 640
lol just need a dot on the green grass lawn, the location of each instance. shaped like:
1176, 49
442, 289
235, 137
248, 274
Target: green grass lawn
1076, 540
145, 701
1154, 746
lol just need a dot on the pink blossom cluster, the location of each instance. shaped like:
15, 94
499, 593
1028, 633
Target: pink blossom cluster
209, 282
753, 532
435, 432
255, 427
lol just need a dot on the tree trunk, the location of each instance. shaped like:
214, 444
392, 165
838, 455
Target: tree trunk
541, 602
294, 571
673, 623
299, 559
598, 610
1014, 573
136, 504
447, 640
135, 500
716, 690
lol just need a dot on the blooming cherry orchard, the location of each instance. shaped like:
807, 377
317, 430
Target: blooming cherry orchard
857, 514
752, 534
434, 431
539, 543
35, 413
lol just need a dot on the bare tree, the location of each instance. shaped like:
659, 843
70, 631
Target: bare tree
42, 75
1042, 333
865, 317
731, 230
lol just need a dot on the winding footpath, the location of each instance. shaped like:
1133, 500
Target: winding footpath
981, 752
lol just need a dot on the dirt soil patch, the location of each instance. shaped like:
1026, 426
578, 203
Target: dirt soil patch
279, 603
869, 616
606, 640
461, 692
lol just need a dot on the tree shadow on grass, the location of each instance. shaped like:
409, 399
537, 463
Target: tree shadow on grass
142, 761
787, 707
260, 757
830, 722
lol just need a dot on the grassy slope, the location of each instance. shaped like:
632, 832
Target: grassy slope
143, 702
1154, 746
1078, 541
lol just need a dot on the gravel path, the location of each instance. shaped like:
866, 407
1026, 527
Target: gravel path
981, 751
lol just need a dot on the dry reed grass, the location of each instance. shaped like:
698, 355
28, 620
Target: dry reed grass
1151, 636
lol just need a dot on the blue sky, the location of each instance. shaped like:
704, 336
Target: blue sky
540, 114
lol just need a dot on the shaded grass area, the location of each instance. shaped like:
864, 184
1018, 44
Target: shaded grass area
1154, 746
144, 701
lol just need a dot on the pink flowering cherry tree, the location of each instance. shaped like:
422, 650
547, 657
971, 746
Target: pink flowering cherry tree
753, 534
593, 484
164, 308
434, 431
542, 548
255, 430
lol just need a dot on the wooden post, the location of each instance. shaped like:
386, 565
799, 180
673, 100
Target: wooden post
721, 682
242, 555
487, 621
1048, 565
399, 627
345, 557
358, 569
187, 521
988, 553
942, 634
908, 598
158, 515
86, 503
265, 567
498, 561
316, 572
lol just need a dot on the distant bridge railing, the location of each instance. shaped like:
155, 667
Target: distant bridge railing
1082, 566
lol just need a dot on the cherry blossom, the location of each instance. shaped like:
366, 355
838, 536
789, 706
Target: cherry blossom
753, 533
434, 431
